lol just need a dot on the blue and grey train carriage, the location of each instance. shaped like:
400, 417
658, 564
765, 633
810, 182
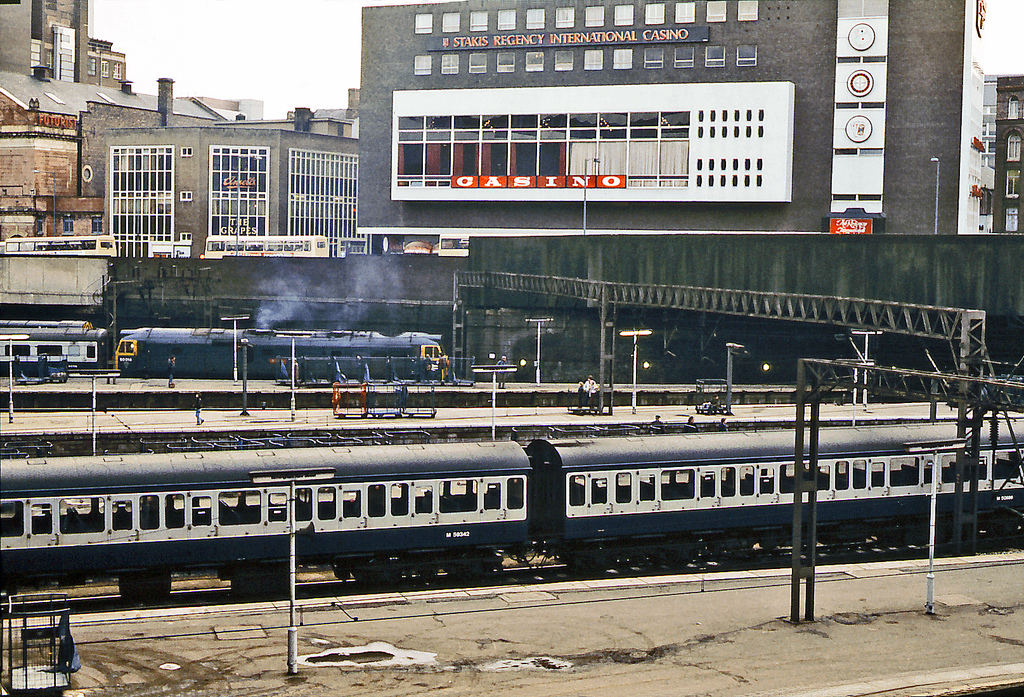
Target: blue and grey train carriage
75, 342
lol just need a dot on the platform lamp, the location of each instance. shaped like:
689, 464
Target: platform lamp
635, 333
10, 339
540, 321
936, 161
234, 319
101, 373
291, 372
731, 350
494, 370
245, 376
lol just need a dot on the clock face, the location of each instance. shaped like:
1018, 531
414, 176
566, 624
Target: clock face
862, 37
858, 129
860, 83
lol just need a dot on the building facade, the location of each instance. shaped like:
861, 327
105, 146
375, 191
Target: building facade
591, 116
1009, 132
51, 33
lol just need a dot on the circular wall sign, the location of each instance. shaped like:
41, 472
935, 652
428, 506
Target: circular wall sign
860, 83
858, 129
862, 37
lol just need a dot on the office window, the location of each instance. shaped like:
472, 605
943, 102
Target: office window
506, 63
186, 152
686, 12
593, 59
69, 225
565, 17
478, 21
623, 15
1011, 219
92, 66
1013, 148
424, 23
594, 16
117, 71
622, 59
477, 63
654, 57
746, 55
716, 10
1013, 183
684, 57
185, 196
534, 61
563, 60
535, 18
423, 65
746, 10
654, 13
97, 225
450, 22
506, 20
714, 57
105, 68
1013, 108
450, 64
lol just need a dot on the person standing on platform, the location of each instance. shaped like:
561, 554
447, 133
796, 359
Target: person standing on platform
171, 362
199, 409
691, 426
592, 390
501, 376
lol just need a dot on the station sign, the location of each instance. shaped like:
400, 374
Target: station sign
850, 226
570, 39
601, 181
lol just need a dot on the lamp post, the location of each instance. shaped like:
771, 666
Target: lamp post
291, 373
245, 377
540, 321
94, 374
635, 333
865, 359
10, 339
936, 161
586, 182
494, 370
234, 319
731, 350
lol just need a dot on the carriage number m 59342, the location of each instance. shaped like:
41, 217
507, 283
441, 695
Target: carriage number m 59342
458, 533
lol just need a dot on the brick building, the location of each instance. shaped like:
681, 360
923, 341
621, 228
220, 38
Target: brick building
1009, 132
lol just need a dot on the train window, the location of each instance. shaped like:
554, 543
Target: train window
877, 475
304, 504
842, 475
81, 515
12, 519
824, 480
492, 496
860, 474
983, 468
577, 490
90, 351
707, 485
53, 350
424, 500
1006, 467
351, 504
598, 490
623, 488
948, 469
677, 485
516, 493
277, 506
239, 508
326, 503
767, 484
399, 499
149, 512
174, 510
202, 510
786, 479
746, 480
458, 496
23, 350
648, 489
376, 507
42, 519
728, 481
121, 515
903, 471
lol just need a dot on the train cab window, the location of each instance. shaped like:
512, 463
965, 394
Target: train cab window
516, 493
458, 496
678, 485
12, 519
824, 480
376, 506
304, 504
42, 519
149, 512
746, 480
860, 474
81, 515
648, 488
766, 485
577, 490
623, 487
400, 499
707, 485
842, 475
239, 508
877, 475
121, 515
90, 351
277, 506
424, 501
598, 490
786, 479
728, 481
174, 510
202, 510
326, 503
492, 496
903, 471
351, 504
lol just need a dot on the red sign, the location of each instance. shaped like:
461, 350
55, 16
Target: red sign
602, 181
978, 145
58, 121
851, 226
234, 183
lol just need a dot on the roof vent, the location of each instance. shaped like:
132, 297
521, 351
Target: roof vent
41, 72
126, 86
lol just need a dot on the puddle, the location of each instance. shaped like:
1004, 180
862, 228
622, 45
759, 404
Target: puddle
377, 654
535, 663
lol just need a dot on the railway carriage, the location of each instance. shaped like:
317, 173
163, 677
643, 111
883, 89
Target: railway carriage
77, 342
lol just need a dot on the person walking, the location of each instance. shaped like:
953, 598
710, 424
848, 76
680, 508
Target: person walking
171, 362
199, 409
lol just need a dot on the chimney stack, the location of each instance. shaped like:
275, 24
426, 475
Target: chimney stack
126, 86
165, 99
41, 73
302, 118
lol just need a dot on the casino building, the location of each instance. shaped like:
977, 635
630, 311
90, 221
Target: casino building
503, 117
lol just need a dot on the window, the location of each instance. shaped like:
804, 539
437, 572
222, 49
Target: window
623, 15
92, 66
458, 496
478, 21
105, 68
563, 60
1011, 219
376, 507
478, 63
534, 61
716, 10
594, 16
686, 12
654, 13
121, 515
598, 490
622, 59
97, 225
506, 20
565, 17
1012, 185
492, 496
1013, 148
535, 18
424, 23
623, 488
423, 65
677, 485
746, 55
577, 490
149, 512
747, 10
185, 196
714, 57
81, 515
69, 224
174, 510
186, 152
450, 64
351, 504
1013, 108
239, 508
654, 57
516, 494
117, 71
684, 57
12, 519
450, 22
506, 63
593, 59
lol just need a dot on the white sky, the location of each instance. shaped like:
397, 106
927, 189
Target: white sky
306, 52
